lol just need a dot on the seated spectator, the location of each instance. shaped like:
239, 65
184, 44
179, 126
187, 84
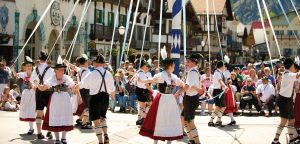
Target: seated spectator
247, 95
15, 92
8, 102
130, 92
269, 76
266, 93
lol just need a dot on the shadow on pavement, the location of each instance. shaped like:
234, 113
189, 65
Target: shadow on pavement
84, 130
31, 139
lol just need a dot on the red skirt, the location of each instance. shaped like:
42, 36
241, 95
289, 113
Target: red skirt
80, 109
297, 111
149, 123
230, 102
46, 125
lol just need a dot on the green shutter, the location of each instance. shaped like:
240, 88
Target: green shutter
101, 16
112, 19
124, 20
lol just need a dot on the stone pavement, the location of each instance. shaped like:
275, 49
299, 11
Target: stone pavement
122, 130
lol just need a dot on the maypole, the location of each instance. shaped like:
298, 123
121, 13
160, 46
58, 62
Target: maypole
176, 33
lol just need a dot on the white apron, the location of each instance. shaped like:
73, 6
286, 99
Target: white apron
27, 106
60, 113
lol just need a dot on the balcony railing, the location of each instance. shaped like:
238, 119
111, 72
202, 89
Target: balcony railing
105, 33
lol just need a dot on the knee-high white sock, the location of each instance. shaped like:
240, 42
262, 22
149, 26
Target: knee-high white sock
64, 134
98, 132
31, 125
155, 141
56, 134
292, 132
143, 113
214, 114
220, 114
147, 110
231, 116
140, 113
278, 132
169, 142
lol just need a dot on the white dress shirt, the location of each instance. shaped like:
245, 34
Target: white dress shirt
41, 67
216, 77
193, 79
287, 84
163, 77
143, 76
81, 75
93, 82
267, 90
51, 82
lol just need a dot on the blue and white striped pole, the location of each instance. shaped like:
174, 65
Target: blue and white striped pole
176, 34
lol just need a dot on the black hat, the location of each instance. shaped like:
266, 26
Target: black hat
220, 64
59, 63
167, 62
28, 60
43, 55
82, 59
194, 57
288, 62
99, 59
145, 63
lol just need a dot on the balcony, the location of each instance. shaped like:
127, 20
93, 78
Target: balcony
137, 44
105, 33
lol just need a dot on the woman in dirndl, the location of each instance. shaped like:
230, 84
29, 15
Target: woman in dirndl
230, 101
163, 119
27, 106
59, 114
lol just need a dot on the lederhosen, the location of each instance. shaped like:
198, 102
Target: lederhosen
85, 93
142, 94
190, 104
42, 97
219, 100
286, 105
99, 102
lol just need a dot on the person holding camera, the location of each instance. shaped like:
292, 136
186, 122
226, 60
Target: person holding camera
248, 94
265, 98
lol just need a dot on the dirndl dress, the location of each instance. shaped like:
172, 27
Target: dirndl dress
230, 101
297, 110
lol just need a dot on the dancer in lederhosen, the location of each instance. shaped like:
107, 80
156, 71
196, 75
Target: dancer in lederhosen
59, 114
163, 120
40, 74
191, 98
82, 71
100, 82
286, 102
27, 106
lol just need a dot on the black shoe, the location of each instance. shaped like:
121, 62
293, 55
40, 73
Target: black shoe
30, 132
106, 139
90, 123
86, 126
40, 136
191, 142
78, 122
63, 141
211, 124
184, 133
232, 123
139, 122
49, 135
219, 124
57, 142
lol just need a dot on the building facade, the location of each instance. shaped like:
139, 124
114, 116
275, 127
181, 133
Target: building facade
23, 17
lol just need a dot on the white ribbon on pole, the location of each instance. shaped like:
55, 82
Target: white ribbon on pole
295, 9
77, 32
60, 33
208, 32
145, 31
113, 35
126, 31
132, 29
266, 37
184, 36
271, 25
35, 28
218, 34
160, 25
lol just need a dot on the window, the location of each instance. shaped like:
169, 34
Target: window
298, 51
290, 33
123, 20
110, 19
99, 16
279, 32
288, 51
